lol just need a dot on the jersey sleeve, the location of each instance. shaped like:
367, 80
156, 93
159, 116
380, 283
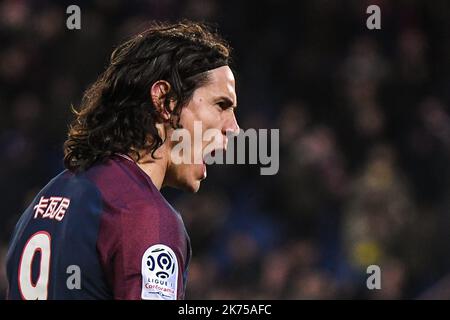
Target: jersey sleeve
143, 252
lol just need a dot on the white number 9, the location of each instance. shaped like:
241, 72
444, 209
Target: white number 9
40, 241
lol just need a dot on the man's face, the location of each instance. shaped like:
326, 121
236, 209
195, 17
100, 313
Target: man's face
211, 107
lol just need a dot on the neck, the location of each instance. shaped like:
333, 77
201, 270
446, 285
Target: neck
155, 168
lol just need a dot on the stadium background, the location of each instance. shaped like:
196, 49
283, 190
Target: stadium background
364, 139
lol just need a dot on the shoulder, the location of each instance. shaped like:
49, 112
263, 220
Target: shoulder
151, 221
132, 206
123, 183
71, 190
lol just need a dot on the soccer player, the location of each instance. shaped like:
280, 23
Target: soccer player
101, 229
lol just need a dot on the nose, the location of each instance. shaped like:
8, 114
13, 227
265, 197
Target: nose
230, 125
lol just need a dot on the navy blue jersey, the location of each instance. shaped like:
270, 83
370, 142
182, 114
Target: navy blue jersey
106, 233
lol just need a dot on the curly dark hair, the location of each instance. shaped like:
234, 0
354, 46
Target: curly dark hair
117, 114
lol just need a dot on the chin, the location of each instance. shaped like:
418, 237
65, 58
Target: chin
190, 186
195, 186
188, 179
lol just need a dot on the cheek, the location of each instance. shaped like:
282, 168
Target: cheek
212, 120
197, 121
199, 110
187, 118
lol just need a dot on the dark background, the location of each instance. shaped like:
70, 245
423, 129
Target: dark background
364, 139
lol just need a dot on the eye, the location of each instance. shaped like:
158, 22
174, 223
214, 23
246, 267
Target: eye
225, 105
222, 105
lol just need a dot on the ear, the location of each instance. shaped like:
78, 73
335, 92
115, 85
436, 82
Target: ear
158, 93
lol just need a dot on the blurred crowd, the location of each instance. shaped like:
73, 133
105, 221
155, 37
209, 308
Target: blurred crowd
364, 139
